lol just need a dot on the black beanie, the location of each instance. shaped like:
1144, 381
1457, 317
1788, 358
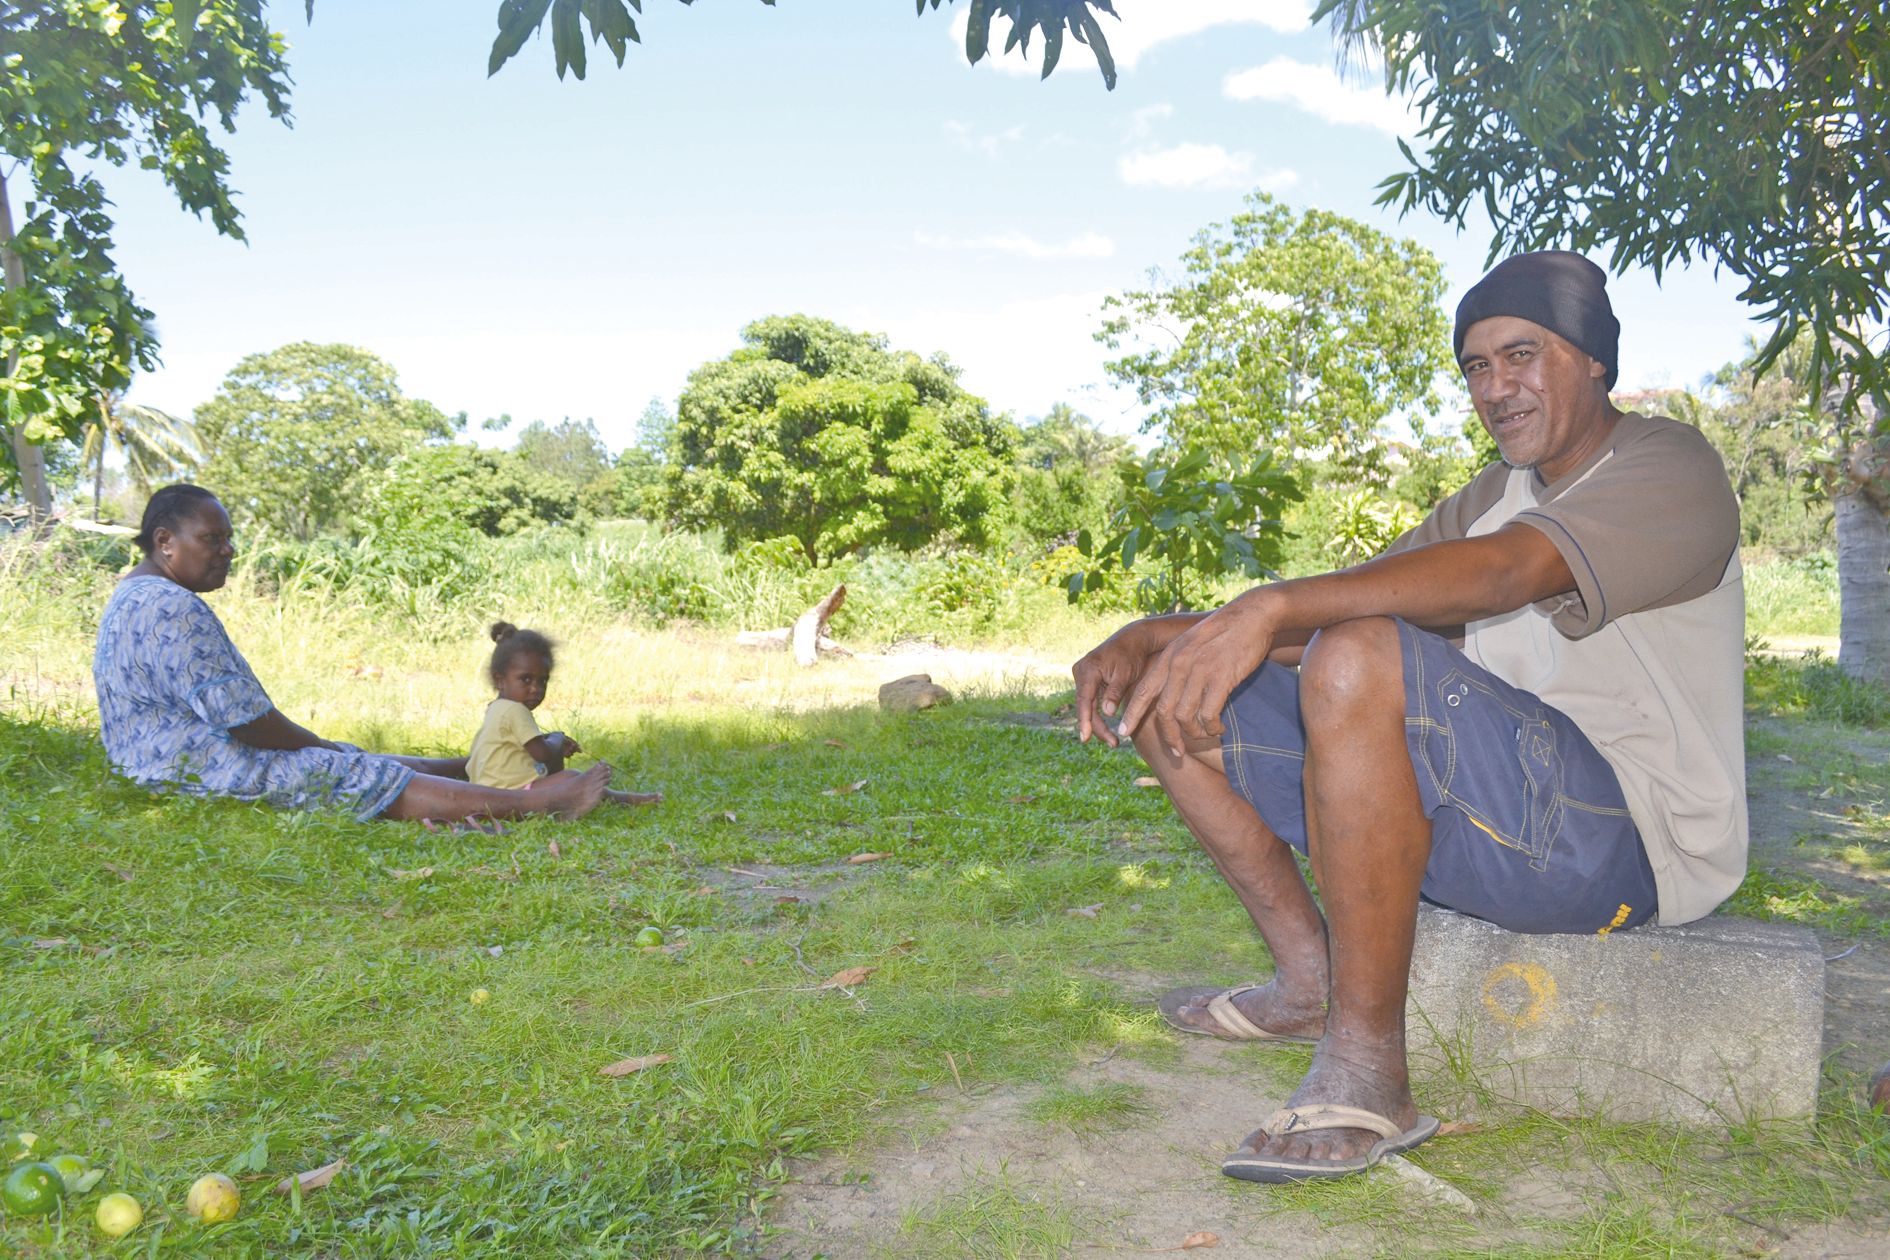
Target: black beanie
1563, 292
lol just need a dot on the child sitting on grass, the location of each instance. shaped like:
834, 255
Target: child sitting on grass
509, 751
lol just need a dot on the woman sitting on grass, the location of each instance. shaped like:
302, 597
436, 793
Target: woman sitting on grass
510, 751
179, 707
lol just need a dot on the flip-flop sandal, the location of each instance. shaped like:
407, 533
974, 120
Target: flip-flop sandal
1231, 1025
1248, 1165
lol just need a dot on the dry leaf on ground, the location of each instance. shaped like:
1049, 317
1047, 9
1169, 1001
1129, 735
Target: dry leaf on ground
553, 849
425, 872
845, 788
848, 978
1021, 799
314, 1179
1200, 1238
624, 1067
1450, 1128
50, 942
120, 871
858, 858
1147, 780
833, 743
1088, 912
707, 890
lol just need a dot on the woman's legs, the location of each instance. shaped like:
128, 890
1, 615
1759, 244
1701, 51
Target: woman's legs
572, 795
611, 794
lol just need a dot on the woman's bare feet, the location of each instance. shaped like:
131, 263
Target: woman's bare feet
574, 795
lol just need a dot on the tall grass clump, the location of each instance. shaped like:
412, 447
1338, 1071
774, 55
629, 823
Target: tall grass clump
1796, 597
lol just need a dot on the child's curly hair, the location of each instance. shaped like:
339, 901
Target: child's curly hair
514, 642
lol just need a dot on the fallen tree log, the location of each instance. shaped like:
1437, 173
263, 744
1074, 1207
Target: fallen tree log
807, 636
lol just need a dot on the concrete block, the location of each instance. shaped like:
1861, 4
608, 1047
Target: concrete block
1714, 1022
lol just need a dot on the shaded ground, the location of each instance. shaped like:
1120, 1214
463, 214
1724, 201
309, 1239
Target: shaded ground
1003, 1172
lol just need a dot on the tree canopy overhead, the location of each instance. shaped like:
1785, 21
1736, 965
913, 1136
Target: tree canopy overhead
1749, 136
822, 434
610, 23
122, 82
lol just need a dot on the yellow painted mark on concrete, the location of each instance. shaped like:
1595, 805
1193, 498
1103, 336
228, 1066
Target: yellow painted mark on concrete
1536, 979
1620, 917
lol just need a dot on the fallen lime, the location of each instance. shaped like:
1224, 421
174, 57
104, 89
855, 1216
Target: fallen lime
118, 1215
481, 996
650, 937
32, 1190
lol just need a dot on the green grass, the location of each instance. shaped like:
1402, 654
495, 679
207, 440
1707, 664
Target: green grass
1107, 1108
1812, 686
1791, 898
1796, 598
993, 1217
190, 986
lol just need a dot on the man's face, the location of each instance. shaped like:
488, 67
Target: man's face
1542, 400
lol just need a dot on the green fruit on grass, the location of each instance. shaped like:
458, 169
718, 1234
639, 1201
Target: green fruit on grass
32, 1190
650, 937
118, 1215
70, 1168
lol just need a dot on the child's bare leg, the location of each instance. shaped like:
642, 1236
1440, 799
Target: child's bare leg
572, 795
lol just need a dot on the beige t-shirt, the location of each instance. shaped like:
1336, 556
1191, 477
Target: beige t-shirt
1647, 655
498, 758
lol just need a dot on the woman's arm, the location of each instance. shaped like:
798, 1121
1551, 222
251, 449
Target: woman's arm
273, 730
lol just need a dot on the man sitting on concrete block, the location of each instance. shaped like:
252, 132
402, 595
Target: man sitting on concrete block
1576, 766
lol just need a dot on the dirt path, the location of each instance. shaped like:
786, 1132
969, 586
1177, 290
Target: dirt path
980, 1175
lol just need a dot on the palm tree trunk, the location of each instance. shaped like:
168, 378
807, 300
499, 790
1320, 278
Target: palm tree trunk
27, 456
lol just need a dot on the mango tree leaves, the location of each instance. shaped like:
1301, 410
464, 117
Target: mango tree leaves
1746, 136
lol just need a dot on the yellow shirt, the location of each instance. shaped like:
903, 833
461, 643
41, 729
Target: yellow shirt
498, 758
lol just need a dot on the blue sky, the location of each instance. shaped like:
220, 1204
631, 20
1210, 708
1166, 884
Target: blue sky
541, 248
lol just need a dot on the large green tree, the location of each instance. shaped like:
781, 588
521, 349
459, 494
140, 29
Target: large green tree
1748, 136
822, 434
1298, 331
293, 436
1066, 479
121, 82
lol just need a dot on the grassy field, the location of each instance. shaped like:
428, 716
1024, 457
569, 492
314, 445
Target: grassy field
188, 986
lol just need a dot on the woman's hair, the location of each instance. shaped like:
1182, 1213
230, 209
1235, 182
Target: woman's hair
513, 642
170, 507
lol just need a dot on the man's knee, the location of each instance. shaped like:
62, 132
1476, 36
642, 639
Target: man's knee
1351, 663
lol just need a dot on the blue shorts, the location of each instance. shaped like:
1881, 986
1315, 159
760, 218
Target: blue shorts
1529, 829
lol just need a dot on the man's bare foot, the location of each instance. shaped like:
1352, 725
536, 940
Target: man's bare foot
1279, 1008
1372, 1078
573, 796
635, 798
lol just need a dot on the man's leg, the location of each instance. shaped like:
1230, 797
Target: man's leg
1369, 841
1262, 871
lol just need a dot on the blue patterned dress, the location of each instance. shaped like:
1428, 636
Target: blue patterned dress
171, 685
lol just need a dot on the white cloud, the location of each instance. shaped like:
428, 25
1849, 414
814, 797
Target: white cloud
1199, 166
989, 143
1142, 121
1145, 25
1319, 90
1088, 245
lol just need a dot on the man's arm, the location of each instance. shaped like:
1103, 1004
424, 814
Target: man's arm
1442, 584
